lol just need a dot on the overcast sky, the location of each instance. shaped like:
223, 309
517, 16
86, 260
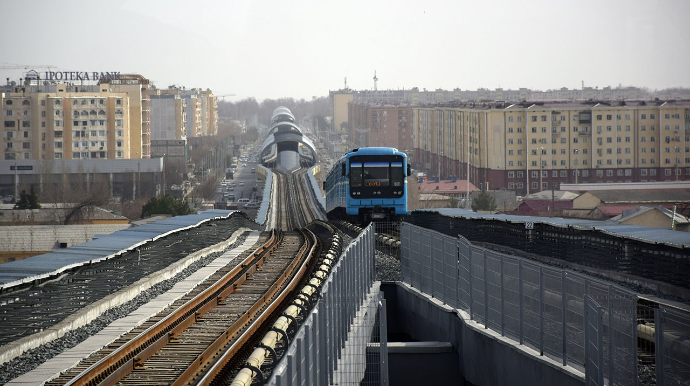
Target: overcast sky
272, 49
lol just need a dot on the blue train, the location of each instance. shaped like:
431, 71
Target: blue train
368, 184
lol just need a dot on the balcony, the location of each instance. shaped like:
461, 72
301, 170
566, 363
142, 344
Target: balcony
585, 133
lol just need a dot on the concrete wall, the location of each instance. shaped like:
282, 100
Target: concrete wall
483, 357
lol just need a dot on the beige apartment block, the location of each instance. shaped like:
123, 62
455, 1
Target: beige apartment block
340, 100
535, 146
63, 121
137, 88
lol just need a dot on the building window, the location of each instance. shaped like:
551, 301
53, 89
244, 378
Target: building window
520, 175
511, 174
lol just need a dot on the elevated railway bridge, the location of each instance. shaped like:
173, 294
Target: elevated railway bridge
221, 298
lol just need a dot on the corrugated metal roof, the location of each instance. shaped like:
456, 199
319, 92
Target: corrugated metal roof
636, 232
101, 248
640, 196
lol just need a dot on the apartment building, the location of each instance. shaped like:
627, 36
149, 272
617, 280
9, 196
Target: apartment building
200, 110
380, 125
138, 89
533, 146
340, 100
63, 121
168, 117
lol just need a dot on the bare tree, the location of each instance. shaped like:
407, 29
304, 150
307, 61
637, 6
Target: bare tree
98, 196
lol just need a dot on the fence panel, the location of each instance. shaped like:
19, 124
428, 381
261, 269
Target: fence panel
450, 271
464, 287
531, 305
478, 290
511, 298
536, 305
673, 347
621, 324
552, 315
436, 265
575, 290
594, 353
494, 317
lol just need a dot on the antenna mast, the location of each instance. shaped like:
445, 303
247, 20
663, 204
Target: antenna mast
375, 80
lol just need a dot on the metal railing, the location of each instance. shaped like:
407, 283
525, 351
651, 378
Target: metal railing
331, 346
534, 304
672, 343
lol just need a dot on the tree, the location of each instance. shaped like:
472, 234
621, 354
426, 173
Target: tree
98, 196
165, 205
27, 201
483, 201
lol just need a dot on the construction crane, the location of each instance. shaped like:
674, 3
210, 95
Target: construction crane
224, 95
11, 66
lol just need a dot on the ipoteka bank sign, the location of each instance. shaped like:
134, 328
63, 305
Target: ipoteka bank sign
71, 76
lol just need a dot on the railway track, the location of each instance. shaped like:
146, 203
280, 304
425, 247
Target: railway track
177, 344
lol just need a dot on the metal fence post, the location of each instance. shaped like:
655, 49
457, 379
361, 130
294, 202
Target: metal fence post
503, 312
486, 293
458, 282
471, 283
564, 304
600, 344
611, 345
520, 299
659, 346
383, 332
541, 310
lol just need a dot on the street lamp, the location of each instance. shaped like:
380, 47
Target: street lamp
16, 178
577, 172
541, 174
675, 168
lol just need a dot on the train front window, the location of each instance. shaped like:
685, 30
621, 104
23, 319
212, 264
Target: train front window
376, 174
397, 174
356, 174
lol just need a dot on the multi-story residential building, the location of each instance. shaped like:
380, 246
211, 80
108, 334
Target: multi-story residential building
63, 121
168, 117
380, 125
137, 88
340, 100
200, 108
532, 146
431, 97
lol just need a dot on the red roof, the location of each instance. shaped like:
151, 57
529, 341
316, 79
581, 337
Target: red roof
544, 205
446, 187
614, 210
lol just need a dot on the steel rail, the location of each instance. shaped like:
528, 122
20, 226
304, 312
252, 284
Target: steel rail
307, 256
255, 316
125, 358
